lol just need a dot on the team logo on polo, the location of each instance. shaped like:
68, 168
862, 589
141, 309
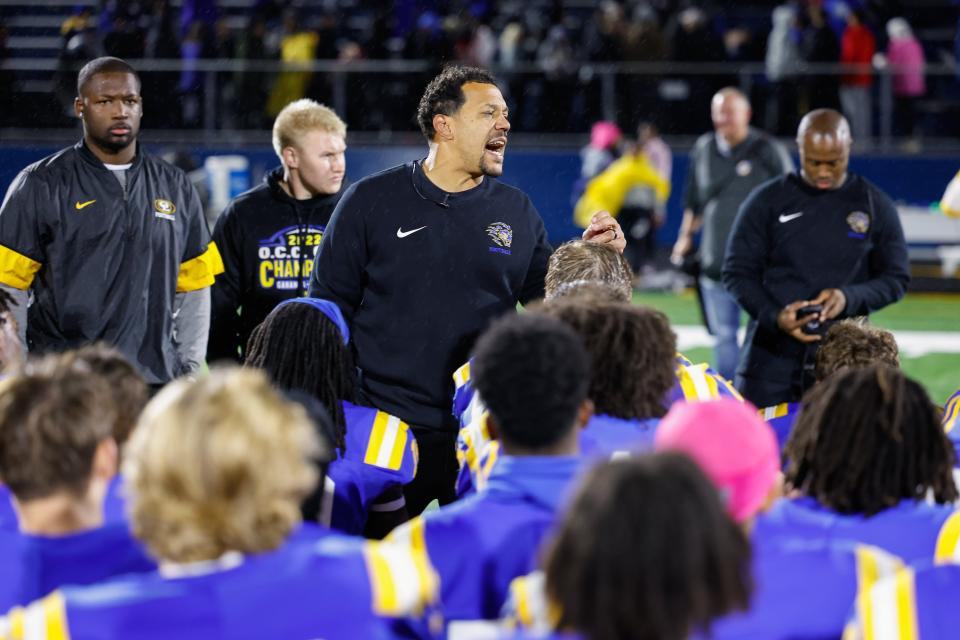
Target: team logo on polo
286, 258
502, 236
743, 168
859, 222
164, 209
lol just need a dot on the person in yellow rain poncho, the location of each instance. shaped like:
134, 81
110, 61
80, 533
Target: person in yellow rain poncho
610, 189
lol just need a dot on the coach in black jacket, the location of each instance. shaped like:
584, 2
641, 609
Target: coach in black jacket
822, 237
268, 236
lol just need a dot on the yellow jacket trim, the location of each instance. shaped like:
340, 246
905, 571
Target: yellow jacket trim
198, 273
16, 269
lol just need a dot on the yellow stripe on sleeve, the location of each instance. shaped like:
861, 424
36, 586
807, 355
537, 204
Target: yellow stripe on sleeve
399, 445
55, 613
384, 590
906, 605
16, 269
946, 551
426, 577
461, 376
376, 437
867, 574
951, 413
17, 623
686, 384
198, 273
521, 598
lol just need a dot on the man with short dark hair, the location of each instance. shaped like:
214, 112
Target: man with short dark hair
810, 247
111, 240
533, 372
422, 256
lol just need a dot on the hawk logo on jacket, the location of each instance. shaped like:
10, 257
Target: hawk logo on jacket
859, 223
286, 258
164, 209
502, 236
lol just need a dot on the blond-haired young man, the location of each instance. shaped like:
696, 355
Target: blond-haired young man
269, 235
217, 470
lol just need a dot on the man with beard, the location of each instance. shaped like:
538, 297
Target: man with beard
421, 257
110, 241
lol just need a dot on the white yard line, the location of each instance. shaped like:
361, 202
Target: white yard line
912, 343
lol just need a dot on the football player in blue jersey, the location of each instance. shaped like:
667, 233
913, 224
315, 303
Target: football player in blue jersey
610, 574
533, 373
304, 345
848, 344
216, 470
128, 395
632, 351
58, 457
870, 462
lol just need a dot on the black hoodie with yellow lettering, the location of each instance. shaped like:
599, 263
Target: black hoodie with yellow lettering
268, 240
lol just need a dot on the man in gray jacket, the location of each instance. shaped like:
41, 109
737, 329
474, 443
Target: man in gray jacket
725, 166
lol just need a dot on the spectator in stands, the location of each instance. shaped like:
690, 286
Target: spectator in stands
58, 457
297, 44
303, 346
267, 236
533, 373
192, 85
857, 48
782, 67
820, 46
869, 462
217, 468
79, 20
609, 574
726, 164
125, 39
252, 85
905, 55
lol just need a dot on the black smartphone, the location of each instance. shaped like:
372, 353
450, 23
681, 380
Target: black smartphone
814, 326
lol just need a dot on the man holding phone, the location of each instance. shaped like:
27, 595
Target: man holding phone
805, 249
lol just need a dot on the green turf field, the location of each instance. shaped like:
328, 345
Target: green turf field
938, 371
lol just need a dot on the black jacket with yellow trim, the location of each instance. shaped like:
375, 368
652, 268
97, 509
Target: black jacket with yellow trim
104, 260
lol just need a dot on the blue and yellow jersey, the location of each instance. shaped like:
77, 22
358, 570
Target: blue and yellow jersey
33, 566
481, 543
699, 382
781, 418
917, 603
381, 456
801, 590
951, 422
316, 585
914, 531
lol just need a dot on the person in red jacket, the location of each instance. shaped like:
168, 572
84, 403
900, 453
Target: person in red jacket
857, 48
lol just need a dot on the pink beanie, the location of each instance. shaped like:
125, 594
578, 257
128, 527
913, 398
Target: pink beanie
733, 445
604, 134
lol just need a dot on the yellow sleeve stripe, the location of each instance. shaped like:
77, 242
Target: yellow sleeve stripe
521, 599
45, 619
946, 551
388, 441
16, 269
951, 412
729, 387
886, 602
777, 411
483, 474
461, 376
402, 578
198, 273
696, 384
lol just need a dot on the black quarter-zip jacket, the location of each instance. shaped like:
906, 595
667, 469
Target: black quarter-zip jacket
104, 260
419, 273
790, 241
268, 240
